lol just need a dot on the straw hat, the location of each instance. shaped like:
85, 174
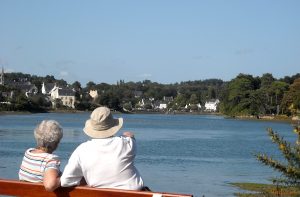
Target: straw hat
102, 124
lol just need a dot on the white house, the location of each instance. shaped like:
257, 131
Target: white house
189, 105
66, 95
94, 94
199, 106
211, 105
145, 102
162, 106
46, 88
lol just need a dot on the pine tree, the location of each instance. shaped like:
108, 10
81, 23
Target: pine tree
289, 167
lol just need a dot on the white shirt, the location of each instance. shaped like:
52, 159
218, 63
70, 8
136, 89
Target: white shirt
104, 163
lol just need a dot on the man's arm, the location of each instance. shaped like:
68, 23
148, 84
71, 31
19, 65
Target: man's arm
72, 173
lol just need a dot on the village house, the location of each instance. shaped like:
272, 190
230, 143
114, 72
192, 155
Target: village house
66, 95
46, 88
23, 84
144, 103
211, 105
162, 106
94, 94
26, 87
137, 94
168, 99
2, 77
188, 106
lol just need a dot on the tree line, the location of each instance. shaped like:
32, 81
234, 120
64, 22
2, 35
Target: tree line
248, 95
243, 95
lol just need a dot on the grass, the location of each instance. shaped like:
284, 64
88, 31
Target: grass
266, 190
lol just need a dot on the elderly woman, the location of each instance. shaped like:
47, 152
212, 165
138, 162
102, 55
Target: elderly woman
39, 164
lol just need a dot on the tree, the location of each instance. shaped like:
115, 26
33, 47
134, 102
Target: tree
77, 86
290, 168
194, 99
237, 97
266, 80
90, 85
211, 93
291, 99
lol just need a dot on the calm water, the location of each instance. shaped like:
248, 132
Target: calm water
195, 154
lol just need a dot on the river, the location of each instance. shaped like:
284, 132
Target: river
192, 154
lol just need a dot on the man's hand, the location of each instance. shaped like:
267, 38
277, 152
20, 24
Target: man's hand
128, 134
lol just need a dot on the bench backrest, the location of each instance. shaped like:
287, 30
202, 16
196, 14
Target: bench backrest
20, 188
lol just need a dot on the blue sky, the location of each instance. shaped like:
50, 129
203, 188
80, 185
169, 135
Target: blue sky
166, 41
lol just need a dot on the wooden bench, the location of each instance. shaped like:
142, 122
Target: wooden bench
20, 188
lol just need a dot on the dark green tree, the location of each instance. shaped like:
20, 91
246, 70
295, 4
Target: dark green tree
291, 99
238, 95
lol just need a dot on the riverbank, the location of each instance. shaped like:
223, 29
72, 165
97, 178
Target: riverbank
277, 118
260, 190
14, 112
28, 112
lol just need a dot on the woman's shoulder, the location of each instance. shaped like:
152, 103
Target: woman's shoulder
30, 154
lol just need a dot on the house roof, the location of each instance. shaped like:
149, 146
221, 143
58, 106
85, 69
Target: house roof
26, 87
138, 93
49, 86
66, 92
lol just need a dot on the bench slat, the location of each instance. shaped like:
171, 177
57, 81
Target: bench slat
26, 189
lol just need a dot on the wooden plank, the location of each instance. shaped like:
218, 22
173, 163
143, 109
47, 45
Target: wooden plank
26, 189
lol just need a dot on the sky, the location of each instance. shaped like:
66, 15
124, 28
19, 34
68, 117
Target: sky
165, 41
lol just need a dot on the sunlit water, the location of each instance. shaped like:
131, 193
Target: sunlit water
194, 154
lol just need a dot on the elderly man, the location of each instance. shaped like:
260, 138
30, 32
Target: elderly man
105, 161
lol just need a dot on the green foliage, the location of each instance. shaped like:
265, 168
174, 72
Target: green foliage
246, 95
243, 95
266, 190
239, 97
291, 99
290, 167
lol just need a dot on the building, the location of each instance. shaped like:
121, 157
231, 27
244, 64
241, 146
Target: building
138, 94
211, 105
94, 94
66, 95
26, 87
2, 77
168, 99
163, 106
145, 102
46, 88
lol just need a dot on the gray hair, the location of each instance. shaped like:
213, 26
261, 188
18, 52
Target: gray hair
48, 134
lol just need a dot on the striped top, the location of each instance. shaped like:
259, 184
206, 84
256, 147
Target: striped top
35, 164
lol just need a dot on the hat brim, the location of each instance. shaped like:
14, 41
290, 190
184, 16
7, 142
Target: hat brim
90, 131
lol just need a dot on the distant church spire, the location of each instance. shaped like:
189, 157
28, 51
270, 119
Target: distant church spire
2, 77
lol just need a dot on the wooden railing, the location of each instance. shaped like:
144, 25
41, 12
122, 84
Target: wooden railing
26, 189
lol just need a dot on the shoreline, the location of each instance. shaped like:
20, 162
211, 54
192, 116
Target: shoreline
279, 118
270, 118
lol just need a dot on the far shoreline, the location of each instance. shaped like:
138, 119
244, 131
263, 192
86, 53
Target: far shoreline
271, 118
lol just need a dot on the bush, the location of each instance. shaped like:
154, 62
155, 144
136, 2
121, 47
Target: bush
290, 168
